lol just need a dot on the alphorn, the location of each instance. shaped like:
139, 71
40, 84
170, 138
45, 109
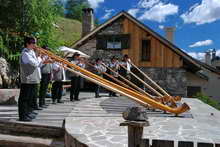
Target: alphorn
141, 99
129, 82
176, 98
111, 77
162, 99
148, 86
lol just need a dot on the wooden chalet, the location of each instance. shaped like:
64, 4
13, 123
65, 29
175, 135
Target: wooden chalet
167, 64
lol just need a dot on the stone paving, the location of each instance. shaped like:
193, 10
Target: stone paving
95, 121
52, 115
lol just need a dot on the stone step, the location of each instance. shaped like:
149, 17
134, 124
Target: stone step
34, 130
24, 141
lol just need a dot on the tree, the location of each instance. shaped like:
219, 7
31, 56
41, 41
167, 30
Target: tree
74, 8
26, 17
59, 7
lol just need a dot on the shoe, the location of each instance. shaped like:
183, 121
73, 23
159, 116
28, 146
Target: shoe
38, 108
43, 106
35, 113
59, 101
76, 99
46, 105
31, 116
54, 102
97, 96
25, 119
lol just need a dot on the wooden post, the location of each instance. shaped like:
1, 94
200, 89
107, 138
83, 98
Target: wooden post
135, 132
162, 143
204, 144
185, 144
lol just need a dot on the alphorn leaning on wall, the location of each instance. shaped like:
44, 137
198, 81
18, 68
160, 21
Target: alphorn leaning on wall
139, 98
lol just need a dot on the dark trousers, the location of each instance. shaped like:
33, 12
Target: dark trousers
75, 88
57, 90
26, 99
111, 93
35, 96
97, 90
43, 88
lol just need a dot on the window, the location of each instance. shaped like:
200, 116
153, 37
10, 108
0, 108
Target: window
113, 42
145, 52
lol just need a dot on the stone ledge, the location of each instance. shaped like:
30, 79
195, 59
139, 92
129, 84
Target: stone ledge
8, 96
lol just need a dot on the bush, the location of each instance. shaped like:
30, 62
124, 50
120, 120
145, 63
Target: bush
208, 100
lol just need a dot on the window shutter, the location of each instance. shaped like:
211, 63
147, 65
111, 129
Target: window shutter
100, 42
146, 50
125, 39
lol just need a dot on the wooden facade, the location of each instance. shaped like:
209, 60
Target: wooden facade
160, 54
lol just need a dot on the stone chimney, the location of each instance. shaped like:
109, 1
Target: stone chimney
169, 33
87, 21
208, 57
213, 54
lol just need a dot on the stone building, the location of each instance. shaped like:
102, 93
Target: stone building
164, 62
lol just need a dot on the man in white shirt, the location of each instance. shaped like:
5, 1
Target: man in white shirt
99, 70
75, 79
46, 77
114, 65
127, 65
30, 78
57, 86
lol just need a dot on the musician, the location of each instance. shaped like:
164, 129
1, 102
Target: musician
57, 86
76, 79
125, 63
99, 71
114, 65
46, 75
30, 77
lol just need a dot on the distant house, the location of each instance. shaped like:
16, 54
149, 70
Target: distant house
164, 62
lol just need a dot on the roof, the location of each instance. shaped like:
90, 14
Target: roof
186, 58
209, 67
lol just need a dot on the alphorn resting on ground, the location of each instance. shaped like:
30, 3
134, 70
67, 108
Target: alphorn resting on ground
139, 98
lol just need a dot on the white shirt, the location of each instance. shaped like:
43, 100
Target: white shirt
57, 67
30, 58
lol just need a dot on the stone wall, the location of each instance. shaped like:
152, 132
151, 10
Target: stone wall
172, 80
8, 75
89, 47
4, 70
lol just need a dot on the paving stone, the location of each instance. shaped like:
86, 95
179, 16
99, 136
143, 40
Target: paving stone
96, 121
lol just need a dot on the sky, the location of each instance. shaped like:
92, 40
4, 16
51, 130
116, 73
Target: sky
197, 22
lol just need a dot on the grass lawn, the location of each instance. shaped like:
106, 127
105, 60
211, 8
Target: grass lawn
69, 30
